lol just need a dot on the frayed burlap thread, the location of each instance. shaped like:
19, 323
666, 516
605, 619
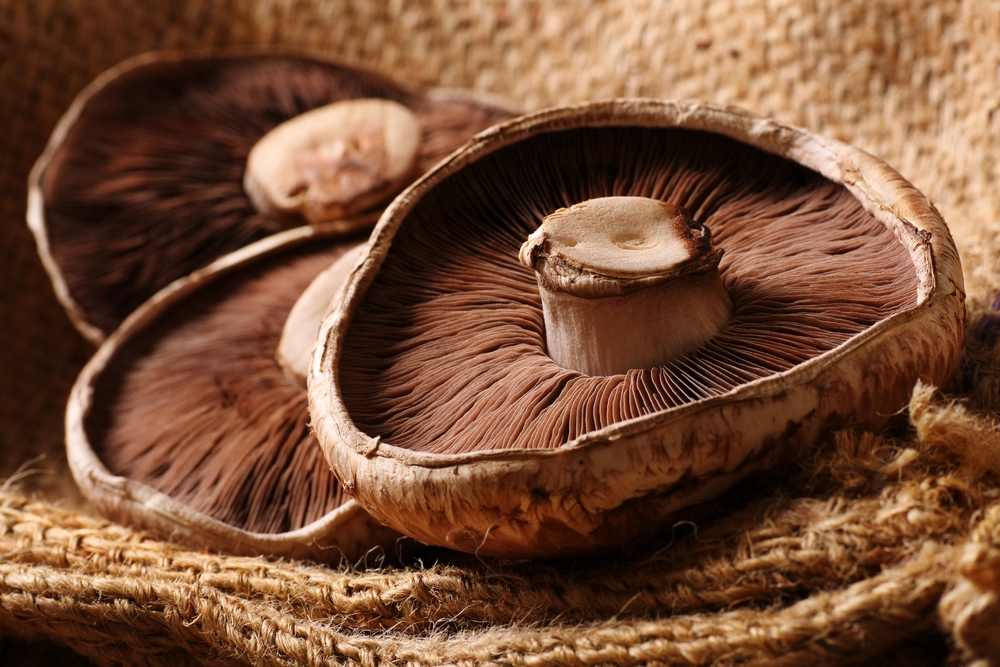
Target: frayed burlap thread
853, 565
151, 619
971, 608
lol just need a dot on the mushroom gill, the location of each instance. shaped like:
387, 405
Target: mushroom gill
142, 182
446, 353
194, 404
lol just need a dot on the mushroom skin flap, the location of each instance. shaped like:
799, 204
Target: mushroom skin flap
440, 409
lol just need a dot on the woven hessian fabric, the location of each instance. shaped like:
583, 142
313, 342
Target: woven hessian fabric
875, 547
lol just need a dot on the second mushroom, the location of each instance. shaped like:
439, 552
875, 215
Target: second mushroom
172, 159
191, 419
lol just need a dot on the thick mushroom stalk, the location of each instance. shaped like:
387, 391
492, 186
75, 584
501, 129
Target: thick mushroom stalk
298, 337
626, 282
333, 161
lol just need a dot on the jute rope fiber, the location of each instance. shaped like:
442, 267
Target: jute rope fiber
849, 570
875, 546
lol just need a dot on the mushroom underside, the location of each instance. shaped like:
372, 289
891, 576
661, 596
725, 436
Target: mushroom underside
165, 145
196, 406
446, 351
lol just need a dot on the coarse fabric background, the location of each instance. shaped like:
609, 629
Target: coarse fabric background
881, 548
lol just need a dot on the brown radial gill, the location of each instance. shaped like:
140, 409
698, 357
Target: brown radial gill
457, 338
199, 409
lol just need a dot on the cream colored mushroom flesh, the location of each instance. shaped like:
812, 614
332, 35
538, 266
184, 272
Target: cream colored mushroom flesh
334, 161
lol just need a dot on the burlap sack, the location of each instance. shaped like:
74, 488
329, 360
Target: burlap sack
876, 548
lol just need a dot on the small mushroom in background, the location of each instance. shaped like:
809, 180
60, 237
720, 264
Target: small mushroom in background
472, 402
142, 181
191, 419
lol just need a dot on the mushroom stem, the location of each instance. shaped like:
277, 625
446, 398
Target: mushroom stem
333, 161
626, 282
298, 337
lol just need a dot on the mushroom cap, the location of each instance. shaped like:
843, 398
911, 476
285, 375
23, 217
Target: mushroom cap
615, 471
162, 140
183, 422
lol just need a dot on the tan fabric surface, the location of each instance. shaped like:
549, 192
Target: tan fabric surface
916, 83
